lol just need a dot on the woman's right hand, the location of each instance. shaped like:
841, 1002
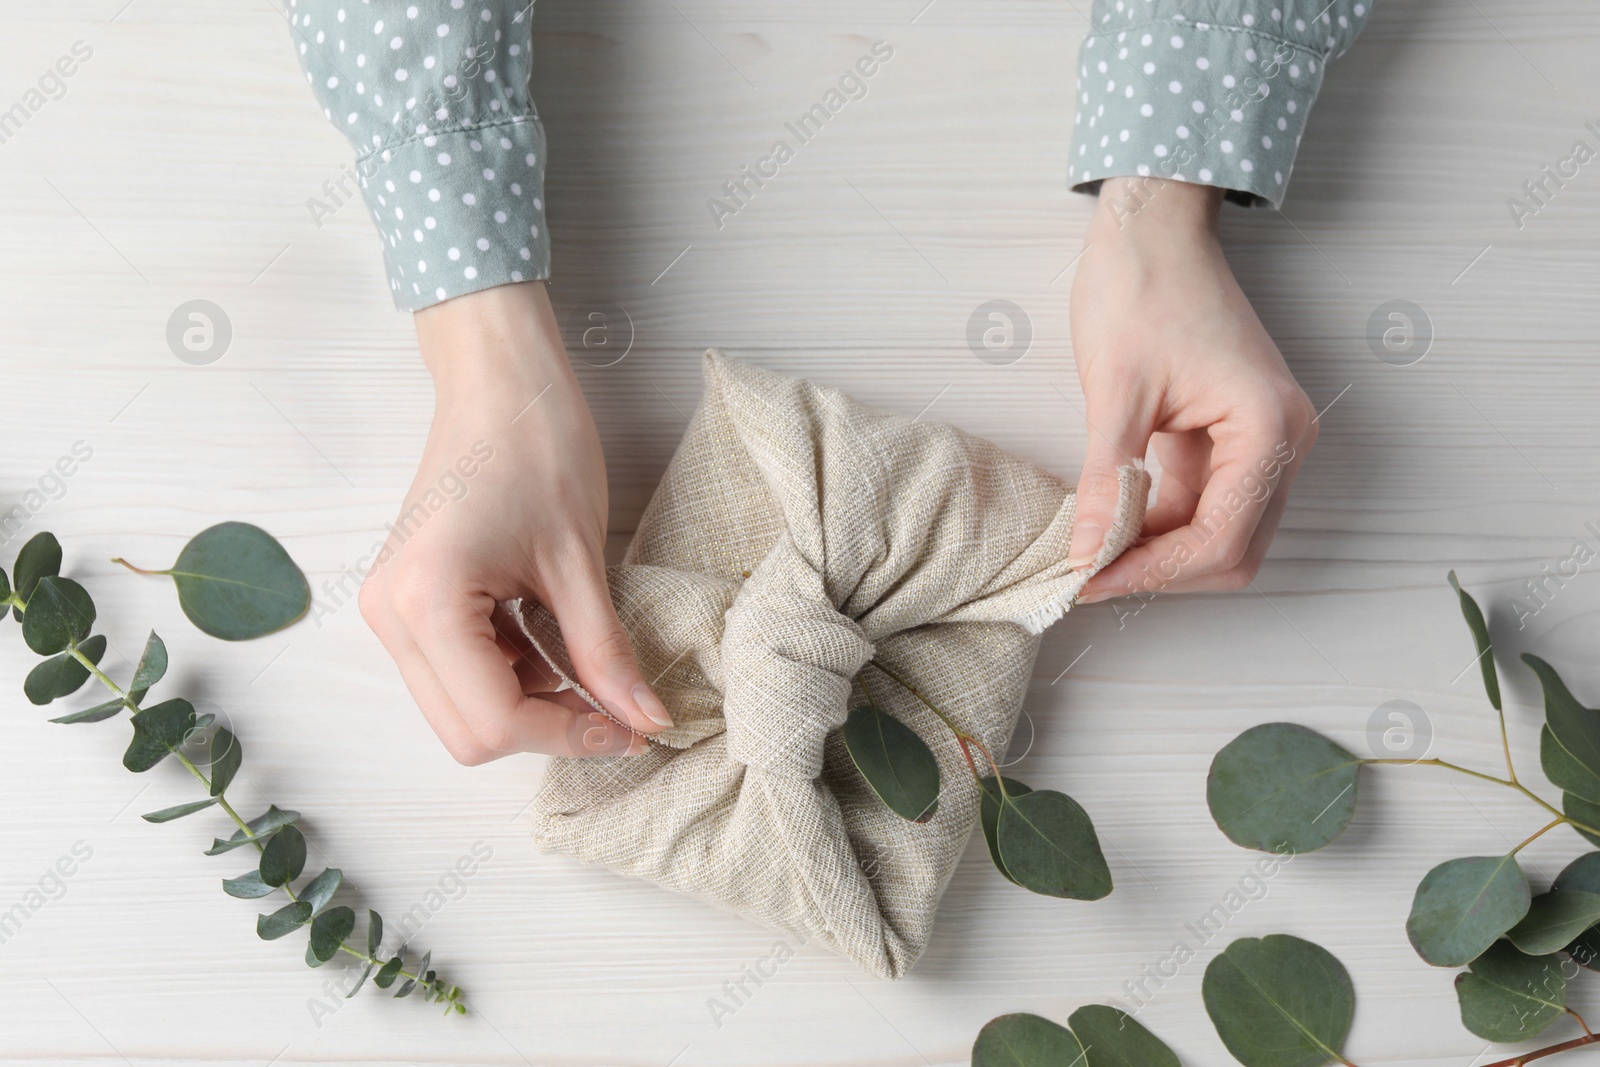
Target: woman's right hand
529, 520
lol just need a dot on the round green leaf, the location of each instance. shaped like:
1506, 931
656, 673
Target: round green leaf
1279, 1001
320, 889
157, 731
1463, 905
39, 558
152, 665
1048, 845
1583, 874
374, 932
989, 811
226, 755
62, 675
247, 886
235, 581
1480, 638
1113, 1038
1509, 995
284, 857
283, 921
59, 613
1583, 811
386, 974
896, 763
1280, 787
329, 930
1024, 1040
1554, 921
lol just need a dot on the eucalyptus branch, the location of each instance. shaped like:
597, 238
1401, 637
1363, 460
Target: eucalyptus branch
265, 591
1512, 783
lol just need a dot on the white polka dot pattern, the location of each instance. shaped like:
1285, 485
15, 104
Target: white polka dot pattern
450, 150
1218, 102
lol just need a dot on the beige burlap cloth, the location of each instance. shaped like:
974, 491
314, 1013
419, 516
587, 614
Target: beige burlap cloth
796, 535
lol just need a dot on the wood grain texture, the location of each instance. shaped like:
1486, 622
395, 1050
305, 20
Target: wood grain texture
177, 166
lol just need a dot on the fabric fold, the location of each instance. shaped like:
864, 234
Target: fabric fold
796, 536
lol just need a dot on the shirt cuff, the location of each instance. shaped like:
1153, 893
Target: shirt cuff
460, 210
1213, 105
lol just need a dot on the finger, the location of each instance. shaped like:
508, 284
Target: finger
1117, 438
458, 639
438, 710
533, 673
1185, 466
601, 653
1208, 552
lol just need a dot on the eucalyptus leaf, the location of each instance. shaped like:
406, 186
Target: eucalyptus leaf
1564, 771
1462, 906
152, 666
1509, 995
1583, 874
60, 613
1048, 844
1113, 1038
157, 731
405, 988
989, 811
1026, 1040
62, 675
386, 974
225, 757
1280, 787
1584, 811
361, 980
5, 587
320, 889
1554, 920
178, 811
374, 932
285, 920
311, 956
260, 827
39, 558
247, 886
1480, 638
329, 930
1573, 729
94, 714
1279, 1001
236, 582
284, 857
896, 763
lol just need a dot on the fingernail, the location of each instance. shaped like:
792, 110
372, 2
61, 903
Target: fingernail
651, 705
1087, 537
1097, 596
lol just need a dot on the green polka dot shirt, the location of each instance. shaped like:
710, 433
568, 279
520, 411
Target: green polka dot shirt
1215, 93
450, 151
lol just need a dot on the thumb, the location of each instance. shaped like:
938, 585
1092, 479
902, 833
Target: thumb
1114, 443
601, 652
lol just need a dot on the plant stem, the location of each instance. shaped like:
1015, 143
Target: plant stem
963, 738
136, 570
1549, 1050
1531, 838
1581, 1023
1511, 783
222, 799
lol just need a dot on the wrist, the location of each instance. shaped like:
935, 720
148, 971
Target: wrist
1136, 207
488, 342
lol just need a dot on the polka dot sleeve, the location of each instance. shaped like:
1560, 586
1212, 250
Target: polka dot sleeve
1216, 94
450, 151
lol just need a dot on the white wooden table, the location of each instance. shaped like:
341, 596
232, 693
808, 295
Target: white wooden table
177, 166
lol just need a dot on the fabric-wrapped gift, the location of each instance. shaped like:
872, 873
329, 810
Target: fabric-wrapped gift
796, 535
